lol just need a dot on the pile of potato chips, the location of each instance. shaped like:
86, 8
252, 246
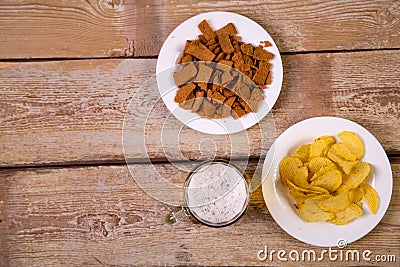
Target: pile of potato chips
326, 179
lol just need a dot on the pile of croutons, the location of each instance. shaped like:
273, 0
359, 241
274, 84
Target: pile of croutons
222, 76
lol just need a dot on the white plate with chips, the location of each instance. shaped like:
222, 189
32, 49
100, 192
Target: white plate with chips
170, 52
281, 205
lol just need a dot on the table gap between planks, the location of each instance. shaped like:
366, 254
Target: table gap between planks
68, 71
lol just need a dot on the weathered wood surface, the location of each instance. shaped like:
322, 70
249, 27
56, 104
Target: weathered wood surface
72, 112
66, 112
92, 216
113, 28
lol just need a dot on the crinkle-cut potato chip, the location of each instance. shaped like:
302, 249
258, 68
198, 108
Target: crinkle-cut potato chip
348, 214
312, 190
323, 170
343, 151
303, 153
287, 167
359, 204
291, 186
336, 203
326, 178
300, 196
300, 177
346, 165
315, 164
321, 145
319, 190
311, 212
354, 142
330, 180
357, 194
371, 197
356, 176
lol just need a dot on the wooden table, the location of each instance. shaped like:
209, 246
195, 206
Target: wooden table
68, 70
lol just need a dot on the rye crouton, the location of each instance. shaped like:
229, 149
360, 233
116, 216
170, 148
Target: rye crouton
237, 112
187, 104
262, 54
228, 29
208, 108
186, 58
260, 76
204, 73
226, 44
188, 72
206, 30
184, 92
198, 101
218, 96
247, 49
226, 62
200, 51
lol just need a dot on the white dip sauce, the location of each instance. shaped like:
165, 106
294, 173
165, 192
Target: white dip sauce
216, 193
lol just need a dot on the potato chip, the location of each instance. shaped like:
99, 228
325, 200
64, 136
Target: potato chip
300, 177
311, 212
287, 166
322, 171
300, 196
343, 151
359, 204
330, 180
315, 164
371, 197
319, 190
312, 190
346, 165
292, 186
321, 145
348, 214
356, 176
354, 142
326, 178
357, 194
303, 153
336, 203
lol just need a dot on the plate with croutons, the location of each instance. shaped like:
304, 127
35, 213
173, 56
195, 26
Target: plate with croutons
219, 72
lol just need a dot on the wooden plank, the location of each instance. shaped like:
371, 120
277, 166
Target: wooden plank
73, 111
84, 216
91, 28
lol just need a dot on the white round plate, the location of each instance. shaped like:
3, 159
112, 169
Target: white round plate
281, 205
170, 52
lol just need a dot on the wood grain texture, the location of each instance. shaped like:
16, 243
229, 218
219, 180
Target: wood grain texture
73, 111
92, 216
114, 28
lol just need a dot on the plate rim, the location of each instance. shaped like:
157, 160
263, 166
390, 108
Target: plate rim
244, 123
275, 163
